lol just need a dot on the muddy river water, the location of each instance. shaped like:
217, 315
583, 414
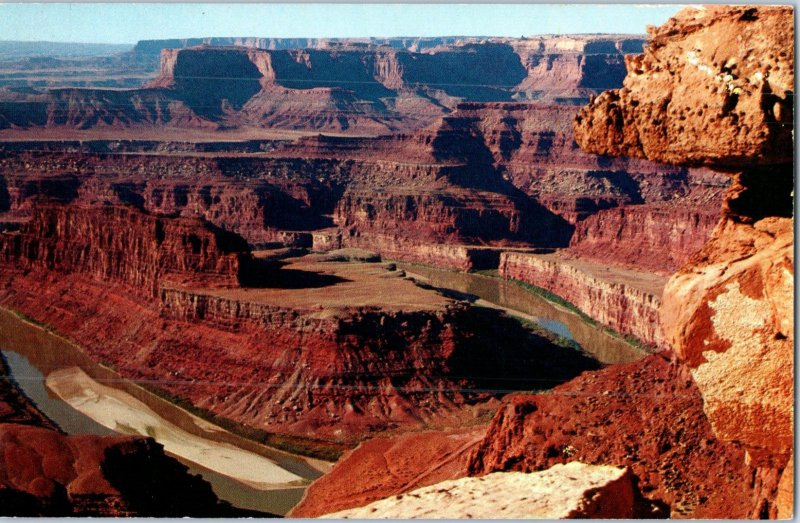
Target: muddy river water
83, 397
517, 301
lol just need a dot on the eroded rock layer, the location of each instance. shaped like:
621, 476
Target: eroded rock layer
384, 467
723, 77
124, 245
491, 174
317, 349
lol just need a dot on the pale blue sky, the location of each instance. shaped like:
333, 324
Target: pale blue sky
128, 23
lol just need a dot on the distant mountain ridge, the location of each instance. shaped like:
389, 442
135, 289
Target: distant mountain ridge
344, 85
12, 49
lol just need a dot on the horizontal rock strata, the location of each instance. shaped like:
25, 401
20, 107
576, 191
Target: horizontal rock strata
315, 349
627, 301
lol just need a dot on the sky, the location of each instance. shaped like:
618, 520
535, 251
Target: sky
128, 23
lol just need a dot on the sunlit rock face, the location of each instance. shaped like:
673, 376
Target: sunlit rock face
574, 490
715, 87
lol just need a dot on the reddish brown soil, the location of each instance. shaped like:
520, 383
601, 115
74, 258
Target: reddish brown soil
646, 415
381, 467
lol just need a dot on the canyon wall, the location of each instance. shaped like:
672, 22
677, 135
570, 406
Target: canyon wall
495, 175
315, 362
330, 86
723, 77
627, 301
659, 238
123, 245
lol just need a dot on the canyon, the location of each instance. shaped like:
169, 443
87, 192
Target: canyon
303, 346
250, 228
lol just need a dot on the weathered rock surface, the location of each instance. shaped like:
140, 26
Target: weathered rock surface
625, 300
574, 490
44, 473
667, 443
723, 77
714, 86
383, 467
728, 314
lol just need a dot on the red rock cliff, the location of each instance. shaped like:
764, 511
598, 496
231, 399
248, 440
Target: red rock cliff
723, 77
127, 246
321, 361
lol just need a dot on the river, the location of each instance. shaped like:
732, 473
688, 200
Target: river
517, 301
83, 397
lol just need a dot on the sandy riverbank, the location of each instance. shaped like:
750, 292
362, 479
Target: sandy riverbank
125, 414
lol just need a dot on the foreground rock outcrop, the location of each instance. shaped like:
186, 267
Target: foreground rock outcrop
683, 469
714, 87
723, 77
566, 491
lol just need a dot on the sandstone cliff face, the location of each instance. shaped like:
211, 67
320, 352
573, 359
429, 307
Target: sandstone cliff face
124, 245
626, 301
645, 237
722, 77
729, 315
571, 491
